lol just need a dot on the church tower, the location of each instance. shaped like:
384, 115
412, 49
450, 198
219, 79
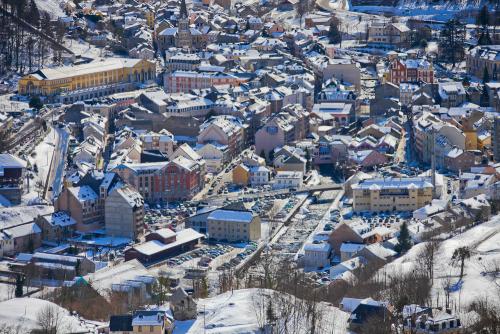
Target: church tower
184, 39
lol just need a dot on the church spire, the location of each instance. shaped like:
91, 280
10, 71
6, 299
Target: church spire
184, 12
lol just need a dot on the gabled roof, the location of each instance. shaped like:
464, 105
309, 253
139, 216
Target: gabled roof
121, 323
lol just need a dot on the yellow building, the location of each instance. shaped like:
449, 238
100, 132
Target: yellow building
241, 175
483, 140
392, 194
154, 322
68, 84
470, 140
233, 226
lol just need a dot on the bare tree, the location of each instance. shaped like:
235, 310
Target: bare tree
259, 308
446, 284
49, 319
427, 256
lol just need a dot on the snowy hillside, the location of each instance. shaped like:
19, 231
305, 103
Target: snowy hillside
443, 4
480, 279
23, 315
239, 312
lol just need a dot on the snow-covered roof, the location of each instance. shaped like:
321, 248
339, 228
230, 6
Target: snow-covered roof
394, 183
348, 247
154, 246
83, 193
231, 216
60, 218
318, 247
10, 161
165, 233
19, 215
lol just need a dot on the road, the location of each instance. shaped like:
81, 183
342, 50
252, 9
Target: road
262, 193
56, 173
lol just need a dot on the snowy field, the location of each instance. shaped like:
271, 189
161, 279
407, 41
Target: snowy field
479, 280
238, 312
53, 7
21, 314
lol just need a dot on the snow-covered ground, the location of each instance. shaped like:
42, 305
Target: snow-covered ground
478, 281
84, 49
21, 314
53, 7
238, 312
41, 156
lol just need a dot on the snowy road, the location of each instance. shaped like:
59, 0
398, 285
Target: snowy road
58, 163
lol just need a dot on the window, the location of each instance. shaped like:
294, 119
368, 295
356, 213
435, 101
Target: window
151, 328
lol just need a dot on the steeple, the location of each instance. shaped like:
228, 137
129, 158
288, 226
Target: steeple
184, 12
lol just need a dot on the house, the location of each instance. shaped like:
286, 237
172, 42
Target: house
344, 270
316, 255
223, 130
367, 158
21, 238
55, 266
341, 112
349, 250
436, 321
259, 175
458, 160
19, 231
356, 232
215, 156
233, 226
124, 213
366, 310
154, 321
56, 226
377, 254
279, 130
162, 141
120, 324
284, 160
12, 170
452, 94
481, 57
84, 206
410, 70
142, 321
392, 33
241, 175
182, 305
288, 179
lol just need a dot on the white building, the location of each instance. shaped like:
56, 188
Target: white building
288, 179
317, 255
349, 250
259, 175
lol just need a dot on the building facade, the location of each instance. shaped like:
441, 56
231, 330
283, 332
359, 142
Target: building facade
124, 213
381, 195
242, 226
68, 84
